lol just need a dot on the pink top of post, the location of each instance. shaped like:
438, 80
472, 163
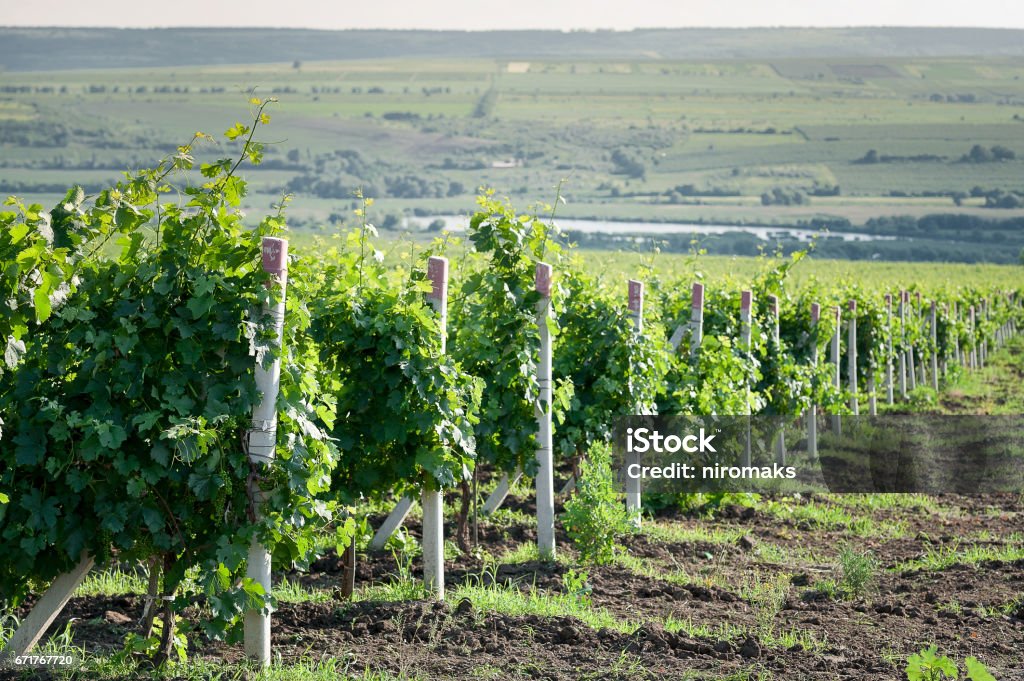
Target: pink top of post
275, 255
773, 302
888, 299
543, 279
437, 273
745, 298
933, 306
636, 295
697, 297
853, 306
906, 296
839, 311
815, 312
919, 299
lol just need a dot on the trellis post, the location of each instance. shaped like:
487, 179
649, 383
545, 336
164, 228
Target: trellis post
500, 493
911, 364
974, 339
870, 383
780, 437
903, 347
983, 354
262, 443
956, 336
921, 380
812, 417
696, 319
636, 312
746, 300
935, 347
837, 420
888, 353
45, 611
545, 468
391, 523
432, 499
851, 356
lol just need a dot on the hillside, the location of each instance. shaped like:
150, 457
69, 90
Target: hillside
30, 49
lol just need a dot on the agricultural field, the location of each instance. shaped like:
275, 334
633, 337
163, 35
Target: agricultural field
827, 142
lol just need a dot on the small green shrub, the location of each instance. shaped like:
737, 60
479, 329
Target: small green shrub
708, 503
921, 399
575, 584
928, 665
595, 517
858, 572
827, 588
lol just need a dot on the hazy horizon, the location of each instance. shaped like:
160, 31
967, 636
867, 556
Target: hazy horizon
566, 15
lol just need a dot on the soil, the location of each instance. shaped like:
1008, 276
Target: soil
962, 608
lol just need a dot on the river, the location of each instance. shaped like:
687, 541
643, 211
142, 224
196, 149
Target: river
458, 223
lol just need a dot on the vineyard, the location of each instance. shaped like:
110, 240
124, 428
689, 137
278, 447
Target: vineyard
226, 425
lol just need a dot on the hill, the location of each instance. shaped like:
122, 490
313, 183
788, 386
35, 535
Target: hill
32, 49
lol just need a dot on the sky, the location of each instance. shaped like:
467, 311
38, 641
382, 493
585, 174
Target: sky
524, 14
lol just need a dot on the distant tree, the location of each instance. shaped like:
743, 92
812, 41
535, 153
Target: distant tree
1001, 199
1001, 153
293, 156
870, 157
296, 64
977, 154
780, 197
626, 163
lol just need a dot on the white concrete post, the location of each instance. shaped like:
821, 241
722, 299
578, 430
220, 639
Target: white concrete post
45, 611
851, 357
935, 348
974, 339
746, 301
676, 339
920, 364
545, 466
696, 318
500, 493
903, 344
911, 365
391, 523
1001, 335
956, 336
944, 357
870, 383
780, 437
432, 500
636, 304
262, 445
888, 354
636, 311
837, 420
812, 416
983, 354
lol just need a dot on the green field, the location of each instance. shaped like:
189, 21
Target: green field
722, 270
